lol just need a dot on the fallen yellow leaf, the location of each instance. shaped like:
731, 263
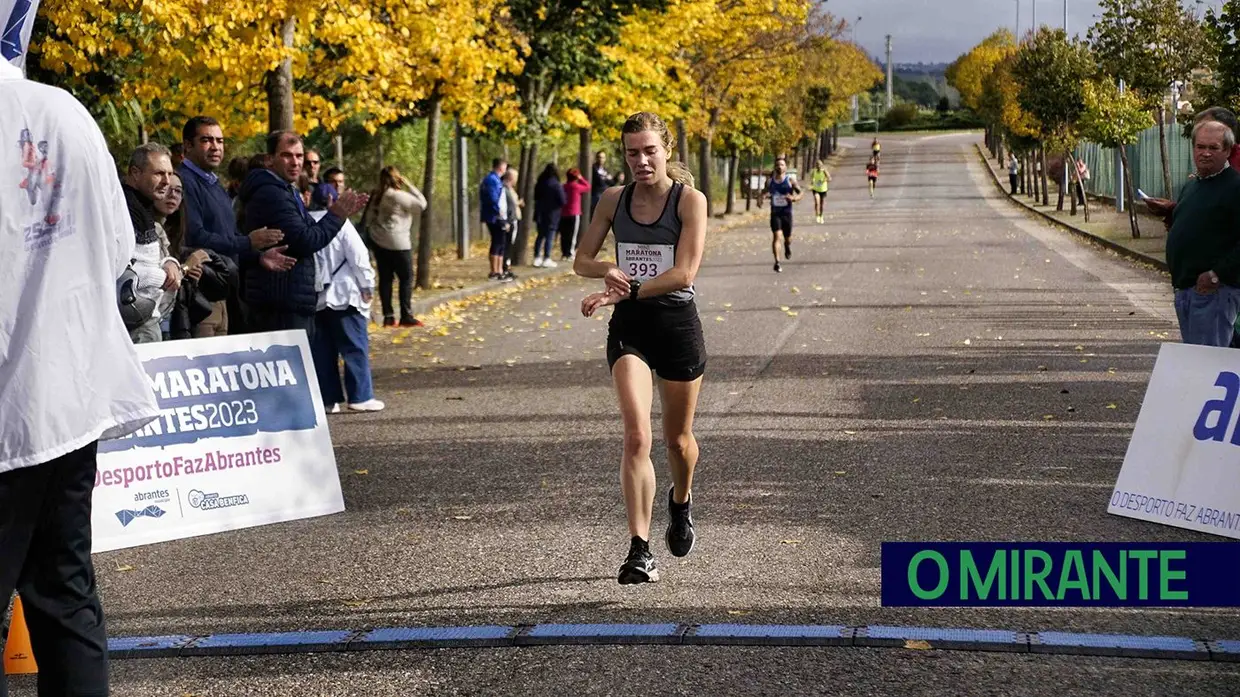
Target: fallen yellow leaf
917, 645
361, 472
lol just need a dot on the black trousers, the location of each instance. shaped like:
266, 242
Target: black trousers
1014, 179
399, 264
263, 319
45, 542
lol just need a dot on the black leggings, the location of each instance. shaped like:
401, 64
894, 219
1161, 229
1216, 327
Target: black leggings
568, 234
399, 263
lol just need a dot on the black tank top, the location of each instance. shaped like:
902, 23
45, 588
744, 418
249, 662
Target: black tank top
645, 251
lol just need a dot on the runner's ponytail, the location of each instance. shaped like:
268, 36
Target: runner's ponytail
678, 171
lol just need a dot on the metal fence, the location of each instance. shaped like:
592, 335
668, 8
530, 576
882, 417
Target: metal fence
1144, 162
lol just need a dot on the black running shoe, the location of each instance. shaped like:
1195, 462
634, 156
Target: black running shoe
787, 250
777, 268
679, 526
639, 567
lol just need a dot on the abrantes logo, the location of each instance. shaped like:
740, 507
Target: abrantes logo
127, 516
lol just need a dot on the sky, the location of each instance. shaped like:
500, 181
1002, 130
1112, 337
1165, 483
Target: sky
937, 31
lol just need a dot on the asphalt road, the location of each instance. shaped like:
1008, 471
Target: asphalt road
932, 364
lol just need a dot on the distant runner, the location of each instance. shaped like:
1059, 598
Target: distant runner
784, 191
819, 183
877, 149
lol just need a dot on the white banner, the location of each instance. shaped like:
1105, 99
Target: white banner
1183, 462
242, 441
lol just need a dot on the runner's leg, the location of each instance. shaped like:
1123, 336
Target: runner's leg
635, 391
679, 405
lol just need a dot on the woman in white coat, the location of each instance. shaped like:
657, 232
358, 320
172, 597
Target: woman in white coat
346, 284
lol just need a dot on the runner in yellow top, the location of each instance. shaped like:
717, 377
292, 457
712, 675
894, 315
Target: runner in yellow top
877, 149
819, 182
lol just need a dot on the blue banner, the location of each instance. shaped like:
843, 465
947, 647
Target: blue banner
1060, 574
225, 395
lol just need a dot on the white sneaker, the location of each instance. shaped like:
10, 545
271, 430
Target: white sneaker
538, 261
368, 405
550, 264
333, 408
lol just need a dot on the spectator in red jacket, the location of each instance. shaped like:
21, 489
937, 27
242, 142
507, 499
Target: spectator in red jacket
570, 215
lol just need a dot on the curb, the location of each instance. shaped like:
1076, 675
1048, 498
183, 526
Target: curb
1088, 236
670, 634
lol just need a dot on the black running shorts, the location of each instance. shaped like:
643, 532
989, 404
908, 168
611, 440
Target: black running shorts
668, 339
781, 219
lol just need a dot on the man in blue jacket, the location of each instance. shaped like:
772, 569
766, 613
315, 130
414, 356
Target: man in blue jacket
493, 206
287, 300
211, 223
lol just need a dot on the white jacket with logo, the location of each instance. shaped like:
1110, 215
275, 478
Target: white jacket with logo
69, 375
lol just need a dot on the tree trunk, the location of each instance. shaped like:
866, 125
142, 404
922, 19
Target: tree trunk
1046, 200
1132, 208
338, 144
525, 191
1063, 189
1077, 177
427, 226
835, 137
583, 164
682, 141
280, 84
704, 175
379, 147
999, 157
1166, 157
733, 165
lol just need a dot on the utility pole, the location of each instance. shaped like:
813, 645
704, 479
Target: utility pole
855, 103
1119, 170
462, 193
1018, 21
1035, 15
889, 73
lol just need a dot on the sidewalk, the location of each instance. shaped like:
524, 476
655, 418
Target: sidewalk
1105, 227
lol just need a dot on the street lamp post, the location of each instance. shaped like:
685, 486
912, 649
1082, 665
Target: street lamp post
856, 106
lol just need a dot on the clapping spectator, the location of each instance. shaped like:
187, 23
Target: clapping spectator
281, 300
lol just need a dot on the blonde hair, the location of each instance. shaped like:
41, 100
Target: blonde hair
644, 121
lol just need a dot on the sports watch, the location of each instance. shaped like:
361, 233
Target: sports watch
634, 286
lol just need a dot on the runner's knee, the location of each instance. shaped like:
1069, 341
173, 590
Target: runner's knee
637, 442
680, 444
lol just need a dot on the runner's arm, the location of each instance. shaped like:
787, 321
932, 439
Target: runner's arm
591, 242
689, 251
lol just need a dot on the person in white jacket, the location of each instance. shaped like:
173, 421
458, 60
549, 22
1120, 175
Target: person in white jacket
69, 375
159, 273
346, 284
